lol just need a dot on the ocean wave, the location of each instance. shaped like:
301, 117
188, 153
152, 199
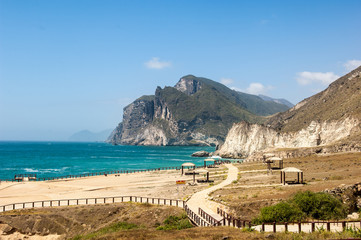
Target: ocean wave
32, 170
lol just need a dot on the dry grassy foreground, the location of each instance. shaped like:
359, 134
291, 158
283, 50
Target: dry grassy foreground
256, 189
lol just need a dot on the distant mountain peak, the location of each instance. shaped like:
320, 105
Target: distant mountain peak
276, 100
188, 85
88, 136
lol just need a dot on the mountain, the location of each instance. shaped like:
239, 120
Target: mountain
329, 121
196, 111
88, 136
279, 100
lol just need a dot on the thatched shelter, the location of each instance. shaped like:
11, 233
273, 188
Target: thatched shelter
208, 160
291, 170
188, 165
277, 159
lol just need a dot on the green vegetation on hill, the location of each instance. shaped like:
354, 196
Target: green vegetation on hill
197, 111
208, 110
249, 102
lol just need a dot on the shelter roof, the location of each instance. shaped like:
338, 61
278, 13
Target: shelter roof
188, 164
291, 169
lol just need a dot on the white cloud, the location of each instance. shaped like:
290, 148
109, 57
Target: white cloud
352, 64
306, 78
226, 81
257, 88
155, 63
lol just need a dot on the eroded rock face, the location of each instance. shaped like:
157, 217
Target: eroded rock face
245, 139
149, 121
187, 86
349, 194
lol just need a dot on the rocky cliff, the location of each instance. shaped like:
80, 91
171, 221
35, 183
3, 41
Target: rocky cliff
196, 111
331, 117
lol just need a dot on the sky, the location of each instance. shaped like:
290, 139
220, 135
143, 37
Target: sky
70, 65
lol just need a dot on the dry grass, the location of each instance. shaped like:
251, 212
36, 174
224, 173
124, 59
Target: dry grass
250, 193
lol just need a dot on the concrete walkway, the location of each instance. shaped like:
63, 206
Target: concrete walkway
200, 199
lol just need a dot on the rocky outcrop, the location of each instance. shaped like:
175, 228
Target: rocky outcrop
187, 86
200, 154
348, 194
196, 111
245, 139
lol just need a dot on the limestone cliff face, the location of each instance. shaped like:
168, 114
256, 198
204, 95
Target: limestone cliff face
149, 121
196, 111
244, 139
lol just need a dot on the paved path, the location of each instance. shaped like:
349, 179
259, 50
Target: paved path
200, 199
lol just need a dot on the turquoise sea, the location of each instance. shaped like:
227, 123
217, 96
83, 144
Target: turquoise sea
51, 159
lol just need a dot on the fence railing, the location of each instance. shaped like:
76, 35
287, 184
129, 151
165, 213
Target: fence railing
304, 226
209, 218
98, 174
92, 201
195, 218
104, 173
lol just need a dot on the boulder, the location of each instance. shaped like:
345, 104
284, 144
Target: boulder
201, 154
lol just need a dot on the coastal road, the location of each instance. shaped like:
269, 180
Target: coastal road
200, 199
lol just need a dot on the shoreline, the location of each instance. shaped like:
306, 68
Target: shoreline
159, 184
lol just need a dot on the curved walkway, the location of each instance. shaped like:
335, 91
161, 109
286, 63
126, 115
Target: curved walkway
200, 199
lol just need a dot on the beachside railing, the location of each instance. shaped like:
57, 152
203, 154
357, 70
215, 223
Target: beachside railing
302, 226
105, 173
92, 201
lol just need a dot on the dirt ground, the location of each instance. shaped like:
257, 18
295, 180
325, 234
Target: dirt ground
256, 189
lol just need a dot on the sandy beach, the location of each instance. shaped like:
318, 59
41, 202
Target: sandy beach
160, 184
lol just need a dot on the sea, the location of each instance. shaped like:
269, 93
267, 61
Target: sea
54, 159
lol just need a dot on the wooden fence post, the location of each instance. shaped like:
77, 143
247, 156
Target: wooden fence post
312, 226
274, 227
299, 227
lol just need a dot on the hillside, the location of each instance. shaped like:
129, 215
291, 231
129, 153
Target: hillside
329, 121
196, 111
339, 101
88, 136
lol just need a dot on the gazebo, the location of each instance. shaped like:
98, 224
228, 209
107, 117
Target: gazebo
277, 159
217, 158
208, 160
291, 170
202, 171
188, 164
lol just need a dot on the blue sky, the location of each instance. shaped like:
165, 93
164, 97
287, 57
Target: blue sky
66, 66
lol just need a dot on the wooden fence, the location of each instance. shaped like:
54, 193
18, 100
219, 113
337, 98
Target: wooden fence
103, 173
195, 218
91, 201
306, 226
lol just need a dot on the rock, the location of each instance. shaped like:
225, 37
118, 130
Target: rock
354, 215
270, 236
200, 154
6, 229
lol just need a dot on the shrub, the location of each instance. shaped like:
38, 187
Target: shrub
319, 205
304, 205
175, 222
281, 212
